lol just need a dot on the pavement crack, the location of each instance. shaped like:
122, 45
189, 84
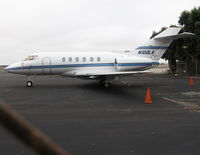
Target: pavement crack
187, 105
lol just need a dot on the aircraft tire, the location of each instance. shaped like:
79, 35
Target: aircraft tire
104, 84
107, 84
29, 84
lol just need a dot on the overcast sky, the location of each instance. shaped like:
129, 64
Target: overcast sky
29, 26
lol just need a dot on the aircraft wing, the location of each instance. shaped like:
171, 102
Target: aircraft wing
110, 73
181, 35
93, 75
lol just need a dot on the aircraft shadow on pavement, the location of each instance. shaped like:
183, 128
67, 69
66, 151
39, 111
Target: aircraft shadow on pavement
117, 89
120, 90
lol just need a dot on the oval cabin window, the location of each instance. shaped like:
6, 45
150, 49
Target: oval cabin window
84, 59
63, 59
70, 59
91, 59
98, 59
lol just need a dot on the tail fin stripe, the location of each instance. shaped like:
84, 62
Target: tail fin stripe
152, 47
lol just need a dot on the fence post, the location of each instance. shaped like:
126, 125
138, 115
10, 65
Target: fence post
196, 68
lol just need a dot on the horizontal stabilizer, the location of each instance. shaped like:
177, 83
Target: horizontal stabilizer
181, 35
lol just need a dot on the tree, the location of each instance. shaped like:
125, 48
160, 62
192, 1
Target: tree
186, 49
191, 50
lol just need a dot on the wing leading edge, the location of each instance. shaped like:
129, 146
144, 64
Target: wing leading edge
93, 75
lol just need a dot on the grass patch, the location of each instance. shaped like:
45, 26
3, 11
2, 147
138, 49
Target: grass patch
1, 68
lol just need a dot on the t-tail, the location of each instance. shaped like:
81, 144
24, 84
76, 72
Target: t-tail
156, 47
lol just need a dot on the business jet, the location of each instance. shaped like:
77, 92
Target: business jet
102, 66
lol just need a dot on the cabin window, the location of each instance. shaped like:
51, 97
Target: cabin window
91, 59
98, 59
77, 59
63, 59
84, 59
70, 59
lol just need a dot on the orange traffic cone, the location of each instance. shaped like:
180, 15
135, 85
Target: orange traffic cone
191, 81
148, 99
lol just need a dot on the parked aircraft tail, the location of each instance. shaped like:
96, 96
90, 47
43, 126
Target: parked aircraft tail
156, 47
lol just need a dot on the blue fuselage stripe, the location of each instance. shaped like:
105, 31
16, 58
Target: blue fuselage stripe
84, 65
152, 47
138, 64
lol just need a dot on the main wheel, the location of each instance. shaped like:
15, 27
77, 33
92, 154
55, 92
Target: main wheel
104, 83
107, 84
29, 84
101, 82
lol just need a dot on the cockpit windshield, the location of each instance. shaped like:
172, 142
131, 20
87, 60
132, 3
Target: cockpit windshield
31, 57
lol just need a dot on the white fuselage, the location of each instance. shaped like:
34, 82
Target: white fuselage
64, 63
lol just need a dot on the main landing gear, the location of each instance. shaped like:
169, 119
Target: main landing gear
29, 83
104, 83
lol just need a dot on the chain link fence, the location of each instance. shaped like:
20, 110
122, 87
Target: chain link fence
182, 68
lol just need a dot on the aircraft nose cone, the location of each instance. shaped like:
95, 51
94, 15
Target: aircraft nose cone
7, 68
13, 68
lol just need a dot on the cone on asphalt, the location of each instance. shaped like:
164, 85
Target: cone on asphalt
191, 81
148, 99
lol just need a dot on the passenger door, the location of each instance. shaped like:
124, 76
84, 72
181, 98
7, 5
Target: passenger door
46, 63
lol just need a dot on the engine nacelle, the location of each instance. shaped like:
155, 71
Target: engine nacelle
130, 63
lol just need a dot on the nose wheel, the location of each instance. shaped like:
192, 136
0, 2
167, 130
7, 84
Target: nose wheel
29, 83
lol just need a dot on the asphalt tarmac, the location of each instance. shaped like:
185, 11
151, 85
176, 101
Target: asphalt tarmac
85, 119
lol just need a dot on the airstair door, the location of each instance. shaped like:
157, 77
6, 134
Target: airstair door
46, 63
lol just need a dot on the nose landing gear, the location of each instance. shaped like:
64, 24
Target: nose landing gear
29, 83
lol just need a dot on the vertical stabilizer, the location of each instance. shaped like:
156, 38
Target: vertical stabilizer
156, 47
